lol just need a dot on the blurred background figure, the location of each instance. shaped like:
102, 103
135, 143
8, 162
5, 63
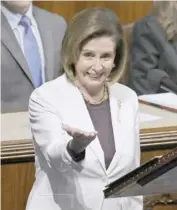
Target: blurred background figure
30, 51
154, 49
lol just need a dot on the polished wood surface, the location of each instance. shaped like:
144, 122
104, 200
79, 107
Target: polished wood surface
152, 143
165, 207
127, 11
16, 183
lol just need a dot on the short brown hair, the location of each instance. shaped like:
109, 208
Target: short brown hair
86, 25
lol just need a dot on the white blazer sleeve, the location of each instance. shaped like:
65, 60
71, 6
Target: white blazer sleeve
48, 134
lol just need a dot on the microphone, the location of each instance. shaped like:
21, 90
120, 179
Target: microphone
168, 85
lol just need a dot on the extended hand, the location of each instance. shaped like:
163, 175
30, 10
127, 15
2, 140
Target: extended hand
81, 139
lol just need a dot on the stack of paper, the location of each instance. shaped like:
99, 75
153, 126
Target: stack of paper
161, 100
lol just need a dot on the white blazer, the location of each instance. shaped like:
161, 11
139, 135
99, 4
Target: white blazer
63, 184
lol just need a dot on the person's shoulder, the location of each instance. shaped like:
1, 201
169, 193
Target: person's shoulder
49, 89
149, 27
147, 24
52, 18
146, 20
123, 92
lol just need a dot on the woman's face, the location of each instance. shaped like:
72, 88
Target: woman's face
95, 62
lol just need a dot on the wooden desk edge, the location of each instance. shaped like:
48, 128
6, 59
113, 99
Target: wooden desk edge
158, 129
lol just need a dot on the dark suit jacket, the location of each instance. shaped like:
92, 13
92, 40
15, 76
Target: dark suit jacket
153, 57
16, 81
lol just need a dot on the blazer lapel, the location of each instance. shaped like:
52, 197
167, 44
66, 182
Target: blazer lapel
47, 42
95, 146
11, 43
115, 109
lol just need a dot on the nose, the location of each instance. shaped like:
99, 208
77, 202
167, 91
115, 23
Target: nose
98, 65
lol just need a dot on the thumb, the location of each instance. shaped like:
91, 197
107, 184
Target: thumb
67, 129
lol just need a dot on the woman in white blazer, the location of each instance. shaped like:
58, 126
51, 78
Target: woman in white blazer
85, 125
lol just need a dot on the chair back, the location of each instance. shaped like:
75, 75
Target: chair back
128, 35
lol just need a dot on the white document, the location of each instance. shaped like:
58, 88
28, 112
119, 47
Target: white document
147, 117
164, 99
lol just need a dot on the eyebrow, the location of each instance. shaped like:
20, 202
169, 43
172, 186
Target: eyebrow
88, 50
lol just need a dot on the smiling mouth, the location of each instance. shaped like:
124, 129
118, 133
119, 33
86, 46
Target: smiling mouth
95, 76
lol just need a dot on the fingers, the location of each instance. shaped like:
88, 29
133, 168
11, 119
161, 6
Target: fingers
75, 132
89, 135
93, 133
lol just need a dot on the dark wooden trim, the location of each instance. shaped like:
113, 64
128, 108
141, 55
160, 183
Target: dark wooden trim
21, 151
17, 160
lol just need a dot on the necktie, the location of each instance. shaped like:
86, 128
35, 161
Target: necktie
31, 52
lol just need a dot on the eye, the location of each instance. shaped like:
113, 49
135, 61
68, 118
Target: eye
88, 54
107, 56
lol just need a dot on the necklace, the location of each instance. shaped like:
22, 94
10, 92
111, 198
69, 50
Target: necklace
104, 97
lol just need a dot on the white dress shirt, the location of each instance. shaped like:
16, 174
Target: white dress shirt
13, 20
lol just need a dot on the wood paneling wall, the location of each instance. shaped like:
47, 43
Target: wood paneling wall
16, 182
128, 11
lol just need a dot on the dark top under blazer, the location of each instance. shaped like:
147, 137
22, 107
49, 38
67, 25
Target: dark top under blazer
153, 57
